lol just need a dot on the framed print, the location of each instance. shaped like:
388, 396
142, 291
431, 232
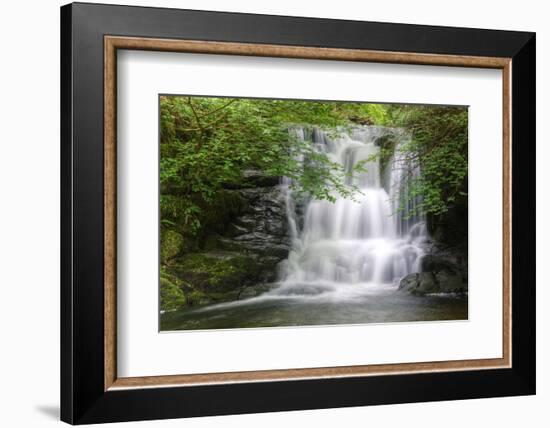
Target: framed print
265, 213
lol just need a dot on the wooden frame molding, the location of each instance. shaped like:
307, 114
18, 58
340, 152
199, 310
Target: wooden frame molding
113, 43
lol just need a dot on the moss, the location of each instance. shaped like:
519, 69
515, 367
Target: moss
197, 297
215, 272
203, 278
171, 295
171, 244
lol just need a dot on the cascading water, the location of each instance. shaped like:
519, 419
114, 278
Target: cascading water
360, 243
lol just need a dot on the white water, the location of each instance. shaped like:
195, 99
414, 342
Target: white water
360, 245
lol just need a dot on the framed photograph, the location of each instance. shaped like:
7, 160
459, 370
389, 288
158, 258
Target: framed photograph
266, 213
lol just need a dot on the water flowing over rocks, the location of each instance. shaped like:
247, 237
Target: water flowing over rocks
442, 271
361, 243
273, 245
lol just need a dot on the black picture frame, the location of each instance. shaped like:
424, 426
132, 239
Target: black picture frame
83, 398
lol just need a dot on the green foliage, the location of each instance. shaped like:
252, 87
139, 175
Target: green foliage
439, 145
378, 113
207, 143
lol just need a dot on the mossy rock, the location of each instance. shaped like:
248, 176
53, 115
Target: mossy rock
216, 272
171, 244
171, 295
196, 298
176, 294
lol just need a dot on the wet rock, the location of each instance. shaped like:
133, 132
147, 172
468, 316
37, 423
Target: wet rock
419, 283
242, 243
235, 230
443, 271
423, 283
260, 231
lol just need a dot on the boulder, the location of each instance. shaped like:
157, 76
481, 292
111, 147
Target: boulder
442, 271
423, 283
171, 244
260, 231
171, 295
215, 272
419, 283
209, 277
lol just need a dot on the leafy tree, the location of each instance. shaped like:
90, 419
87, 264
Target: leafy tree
439, 144
207, 143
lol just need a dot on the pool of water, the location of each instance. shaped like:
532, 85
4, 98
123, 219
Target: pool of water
309, 306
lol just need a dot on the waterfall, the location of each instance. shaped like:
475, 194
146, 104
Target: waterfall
366, 240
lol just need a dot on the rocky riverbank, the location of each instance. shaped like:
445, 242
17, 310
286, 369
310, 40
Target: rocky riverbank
236, 256
444, 269
441, 272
